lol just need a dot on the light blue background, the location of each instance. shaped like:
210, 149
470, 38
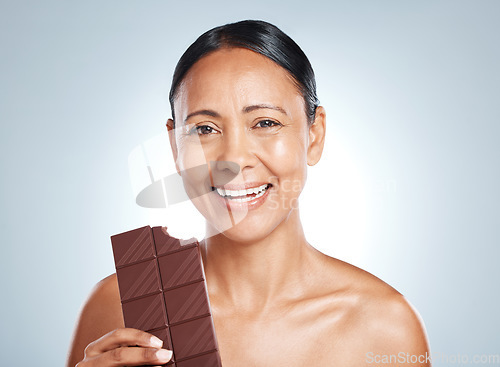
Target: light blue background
411, 90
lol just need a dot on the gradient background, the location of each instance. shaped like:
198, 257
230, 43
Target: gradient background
407, 188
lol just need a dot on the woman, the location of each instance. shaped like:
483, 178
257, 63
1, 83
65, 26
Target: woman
243, 97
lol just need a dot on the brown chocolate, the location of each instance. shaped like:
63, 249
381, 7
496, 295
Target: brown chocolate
163, 291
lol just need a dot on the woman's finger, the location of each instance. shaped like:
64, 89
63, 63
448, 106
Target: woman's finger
135, 356
128, 356
123, 337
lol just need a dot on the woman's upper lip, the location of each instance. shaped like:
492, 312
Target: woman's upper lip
242, 186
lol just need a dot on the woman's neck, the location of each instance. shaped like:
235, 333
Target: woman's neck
252, 275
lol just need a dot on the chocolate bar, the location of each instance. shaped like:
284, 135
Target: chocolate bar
163, 291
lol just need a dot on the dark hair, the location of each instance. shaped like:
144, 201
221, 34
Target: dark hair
258, 36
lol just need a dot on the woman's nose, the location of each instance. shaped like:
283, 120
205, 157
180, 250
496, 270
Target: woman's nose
236, 152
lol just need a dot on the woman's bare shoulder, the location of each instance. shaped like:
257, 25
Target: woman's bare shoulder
100, 314
339, 277
103, 304
379, 319
390, 326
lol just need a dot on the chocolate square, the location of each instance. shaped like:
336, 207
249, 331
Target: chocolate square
164, 243
186, 302
193, 337
138, 280
145, 313
180, 268
133, 246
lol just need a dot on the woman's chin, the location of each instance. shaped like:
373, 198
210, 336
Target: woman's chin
241, 221
245, 231
243, 236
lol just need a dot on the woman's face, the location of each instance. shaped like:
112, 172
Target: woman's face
242, 142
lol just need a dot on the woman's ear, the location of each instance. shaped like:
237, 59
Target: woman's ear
173, 144
316, 136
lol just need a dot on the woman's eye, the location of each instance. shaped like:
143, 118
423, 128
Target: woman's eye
204, 130
267, 123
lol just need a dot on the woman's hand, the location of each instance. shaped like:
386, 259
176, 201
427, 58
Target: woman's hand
125, 347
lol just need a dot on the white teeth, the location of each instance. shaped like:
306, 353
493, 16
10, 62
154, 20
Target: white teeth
220, 191
255, 190
242, 195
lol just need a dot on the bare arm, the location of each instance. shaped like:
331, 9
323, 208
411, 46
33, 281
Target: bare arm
100, 314
100, 338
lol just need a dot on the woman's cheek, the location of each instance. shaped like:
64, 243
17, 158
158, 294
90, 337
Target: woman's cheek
191, 153
193, 167
286, 156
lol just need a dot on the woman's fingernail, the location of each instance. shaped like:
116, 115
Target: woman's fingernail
164, 354
156, 342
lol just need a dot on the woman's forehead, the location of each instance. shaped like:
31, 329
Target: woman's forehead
236, 77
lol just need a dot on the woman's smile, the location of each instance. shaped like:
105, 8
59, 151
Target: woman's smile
249, 196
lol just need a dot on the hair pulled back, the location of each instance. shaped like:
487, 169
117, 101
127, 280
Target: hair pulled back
258, 36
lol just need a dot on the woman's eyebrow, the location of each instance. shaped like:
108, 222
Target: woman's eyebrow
202, 112
246, 109
261, 106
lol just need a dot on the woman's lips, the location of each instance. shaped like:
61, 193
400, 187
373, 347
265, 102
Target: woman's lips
243, 194
248, 196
